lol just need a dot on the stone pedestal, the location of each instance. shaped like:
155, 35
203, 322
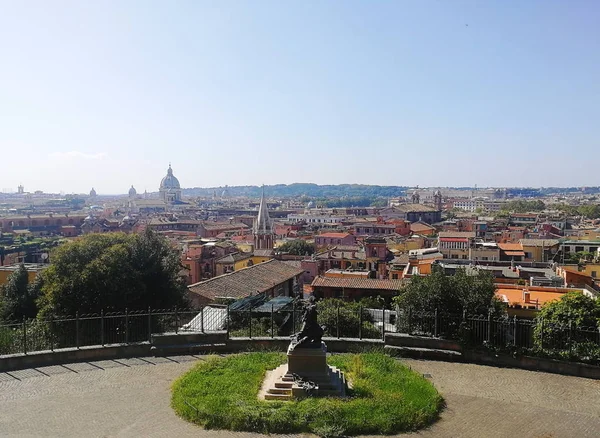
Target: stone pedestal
305, 367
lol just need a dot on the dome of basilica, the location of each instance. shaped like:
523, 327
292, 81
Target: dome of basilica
169, 181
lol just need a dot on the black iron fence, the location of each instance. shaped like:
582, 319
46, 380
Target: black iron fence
565, 341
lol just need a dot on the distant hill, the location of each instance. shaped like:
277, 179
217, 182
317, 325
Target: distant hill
303, 189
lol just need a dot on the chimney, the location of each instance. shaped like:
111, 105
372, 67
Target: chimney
526, 296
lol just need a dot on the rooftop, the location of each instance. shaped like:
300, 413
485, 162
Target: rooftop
358, 283
247, 281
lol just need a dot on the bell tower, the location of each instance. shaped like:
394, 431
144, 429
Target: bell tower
263, 226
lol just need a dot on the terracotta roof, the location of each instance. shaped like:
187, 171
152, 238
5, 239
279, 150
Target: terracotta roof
244, 282
536, 297
224, 225
235, 257
463, 234
357, 283
334, 235
418, 227
453, 239
515, 253
510, 246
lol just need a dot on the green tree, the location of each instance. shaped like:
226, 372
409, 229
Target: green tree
297, 247
18, 297
450, 293
568, 327
114, 272
589, 211
344, 318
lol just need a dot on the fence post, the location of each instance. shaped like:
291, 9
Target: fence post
408, 314
52, 333
515, 343
77, 329
383, 324
250, 327
176, 321
272, 321
436, 325
570, 336
126, 325
294, 317
541, 333
227, 322
360, 322
202, 319
337, 321
24, 335
149, 324
102, 327
489, 327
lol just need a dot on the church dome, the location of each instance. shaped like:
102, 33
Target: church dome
92, 192
132, 191
169, 181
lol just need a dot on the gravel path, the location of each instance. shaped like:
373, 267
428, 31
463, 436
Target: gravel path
130, 397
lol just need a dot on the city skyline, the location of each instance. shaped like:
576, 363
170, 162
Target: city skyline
431, 94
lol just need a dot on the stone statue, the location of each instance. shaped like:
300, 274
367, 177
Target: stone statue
311, 333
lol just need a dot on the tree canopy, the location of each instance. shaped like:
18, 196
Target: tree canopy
449, 293
18, 297
114, 272
574, 308
297, 247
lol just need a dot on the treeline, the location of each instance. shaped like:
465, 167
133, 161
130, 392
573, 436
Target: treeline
587, 211
303, 189
110, 272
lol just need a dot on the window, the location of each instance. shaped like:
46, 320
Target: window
464, 256
579, 249
594, 274
394, 276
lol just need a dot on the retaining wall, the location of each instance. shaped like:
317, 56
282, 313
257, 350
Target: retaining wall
195, 343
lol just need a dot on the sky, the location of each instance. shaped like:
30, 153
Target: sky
431, 93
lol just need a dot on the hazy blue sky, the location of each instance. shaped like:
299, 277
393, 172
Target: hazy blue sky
106, 93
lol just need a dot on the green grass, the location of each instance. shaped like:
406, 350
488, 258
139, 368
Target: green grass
387, 398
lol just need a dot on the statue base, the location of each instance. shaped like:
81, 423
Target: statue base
305, 375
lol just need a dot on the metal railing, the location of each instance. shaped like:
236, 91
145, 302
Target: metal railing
565, 341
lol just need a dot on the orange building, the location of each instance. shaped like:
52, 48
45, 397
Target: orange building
526, 301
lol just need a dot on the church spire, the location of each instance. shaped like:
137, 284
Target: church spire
263, 227
263, 223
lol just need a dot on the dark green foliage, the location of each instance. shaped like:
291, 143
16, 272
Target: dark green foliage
343, 319
297, 247
591, 211
18, 297
387, 398
524, 206
114, 272
568, 328
450, 293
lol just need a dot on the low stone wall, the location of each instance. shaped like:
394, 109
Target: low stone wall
404, 340
533, 364
194, 343
70, 355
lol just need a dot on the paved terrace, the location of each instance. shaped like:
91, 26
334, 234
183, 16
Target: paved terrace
130, 397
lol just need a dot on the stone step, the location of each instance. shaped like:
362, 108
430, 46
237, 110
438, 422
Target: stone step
281, 397
287, 391
284, 384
